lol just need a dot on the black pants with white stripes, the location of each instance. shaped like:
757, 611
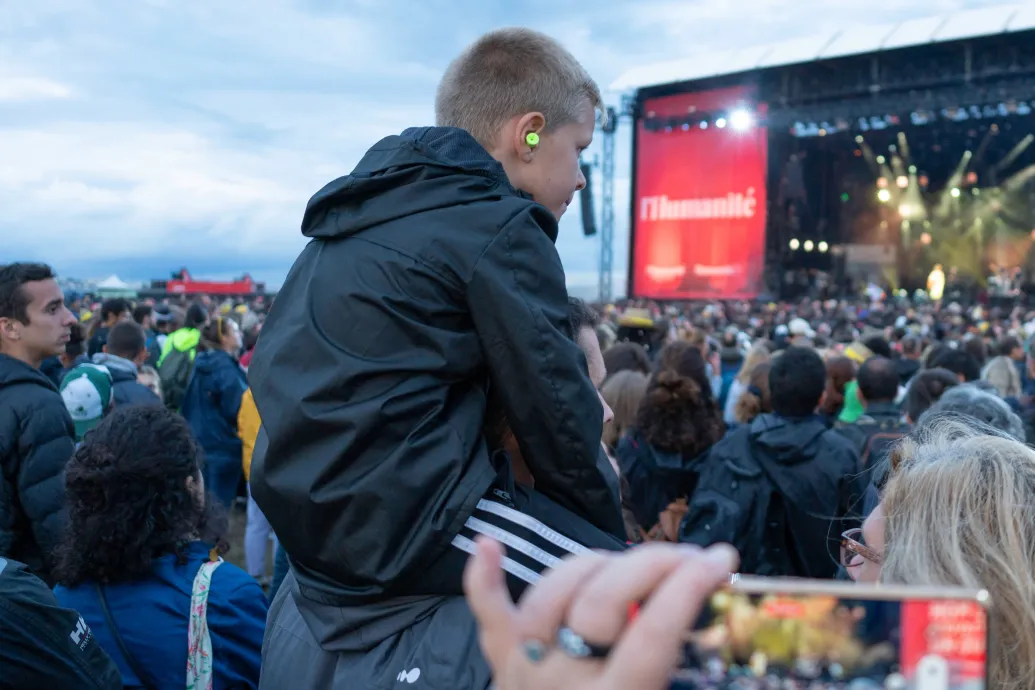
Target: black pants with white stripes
536, 532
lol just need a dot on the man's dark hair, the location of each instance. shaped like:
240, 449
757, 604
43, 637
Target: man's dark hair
14, 303
196, 316
581, 315
878, 346
113, 307
1008, 345
977, 349
126, 340
911, 345
960, 363
141, 312
797, 380
926, 389
627, 357
878, 380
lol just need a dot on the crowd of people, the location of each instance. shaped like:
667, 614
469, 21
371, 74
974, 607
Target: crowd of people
466, 475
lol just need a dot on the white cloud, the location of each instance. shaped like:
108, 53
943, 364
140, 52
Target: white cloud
15, 88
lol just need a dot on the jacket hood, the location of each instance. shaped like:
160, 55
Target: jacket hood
423, 168
787, 440
657, 462
121, 369
210, 360
15, 372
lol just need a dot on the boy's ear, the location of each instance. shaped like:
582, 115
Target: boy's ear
528, 123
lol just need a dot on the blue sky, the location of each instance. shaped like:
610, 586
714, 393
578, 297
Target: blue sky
137, 136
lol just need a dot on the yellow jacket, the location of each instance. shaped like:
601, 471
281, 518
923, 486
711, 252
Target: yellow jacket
248, 423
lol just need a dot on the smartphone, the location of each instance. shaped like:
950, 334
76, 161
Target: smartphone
794, 634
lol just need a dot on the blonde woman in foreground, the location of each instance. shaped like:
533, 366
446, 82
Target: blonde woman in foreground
959, 510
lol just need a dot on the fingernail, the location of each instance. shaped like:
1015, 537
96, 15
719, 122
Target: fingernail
722, 554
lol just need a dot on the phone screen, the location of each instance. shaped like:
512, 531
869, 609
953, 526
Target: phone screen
800, 641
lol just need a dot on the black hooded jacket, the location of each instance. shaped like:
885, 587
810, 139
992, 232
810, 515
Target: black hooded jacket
812, 469
36, 442
42, 644
428, 277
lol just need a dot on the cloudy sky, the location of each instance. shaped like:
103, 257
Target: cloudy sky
137, 136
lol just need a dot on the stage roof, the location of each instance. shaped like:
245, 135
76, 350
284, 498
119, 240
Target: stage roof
857, 40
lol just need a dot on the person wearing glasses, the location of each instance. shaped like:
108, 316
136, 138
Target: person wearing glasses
957, 512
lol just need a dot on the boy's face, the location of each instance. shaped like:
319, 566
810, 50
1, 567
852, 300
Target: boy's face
550, 171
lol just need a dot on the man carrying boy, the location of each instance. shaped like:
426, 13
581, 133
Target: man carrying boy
432, 276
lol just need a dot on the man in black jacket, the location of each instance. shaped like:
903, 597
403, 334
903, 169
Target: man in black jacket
42, 644
783, 488
36, 432
431, 276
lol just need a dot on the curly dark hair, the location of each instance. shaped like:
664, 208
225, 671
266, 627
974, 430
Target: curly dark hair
679, 414
128, 500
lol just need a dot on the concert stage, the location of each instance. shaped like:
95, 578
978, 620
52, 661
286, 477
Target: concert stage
872, 152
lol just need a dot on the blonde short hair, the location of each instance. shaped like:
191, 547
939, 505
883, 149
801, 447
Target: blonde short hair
511, 72
959, 511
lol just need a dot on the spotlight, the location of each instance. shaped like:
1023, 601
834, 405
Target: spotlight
912, 170
884, 196
925, 238
823, 246
880, 159
704, 124
795, 243
955, 192
882, 183
902, 181
720, 123
859, 139
975, 191
741, 120
808, 245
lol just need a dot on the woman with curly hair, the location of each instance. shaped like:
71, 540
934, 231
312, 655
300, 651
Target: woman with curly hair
677, 422
140, 562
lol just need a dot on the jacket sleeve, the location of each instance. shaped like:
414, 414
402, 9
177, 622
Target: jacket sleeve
46, 447
519, 304
238, 623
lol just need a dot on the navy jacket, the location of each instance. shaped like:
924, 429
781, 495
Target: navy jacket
125, 387
152, 616
212, 402
37, 439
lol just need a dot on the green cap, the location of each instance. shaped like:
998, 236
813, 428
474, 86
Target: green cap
88, 394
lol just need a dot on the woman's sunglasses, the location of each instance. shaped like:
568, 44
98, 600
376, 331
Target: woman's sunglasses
854, 551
